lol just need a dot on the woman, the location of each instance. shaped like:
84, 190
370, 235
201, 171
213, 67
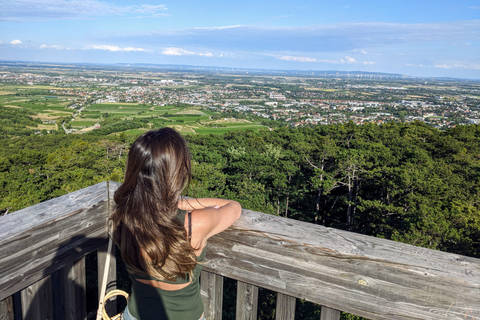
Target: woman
161, 236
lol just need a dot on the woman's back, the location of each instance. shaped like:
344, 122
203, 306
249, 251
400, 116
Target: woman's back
159, 245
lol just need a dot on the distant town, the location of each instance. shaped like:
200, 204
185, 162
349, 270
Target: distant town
288, 99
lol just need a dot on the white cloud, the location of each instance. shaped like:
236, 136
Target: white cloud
27, 10
182, 52
359, 51
149, 9
54, 46
340, 37
448, 65
346, 60
297, 59
175, 52
16, 41
442, 66
368, 63
116, 48
458, 65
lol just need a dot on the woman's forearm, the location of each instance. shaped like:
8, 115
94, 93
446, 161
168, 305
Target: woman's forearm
201, 203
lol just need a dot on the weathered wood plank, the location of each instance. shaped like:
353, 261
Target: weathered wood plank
36, 241
69, 291
6, 309
329, 314
37, 301
72, 290
247, 301
211, 289
371, 277
367, 276
285, 309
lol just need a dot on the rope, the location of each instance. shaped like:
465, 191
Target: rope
109, 295
101, 312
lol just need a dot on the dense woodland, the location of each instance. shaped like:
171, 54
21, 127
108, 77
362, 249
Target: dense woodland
406, 182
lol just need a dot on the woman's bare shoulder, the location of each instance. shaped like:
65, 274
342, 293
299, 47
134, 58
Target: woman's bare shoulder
209, 221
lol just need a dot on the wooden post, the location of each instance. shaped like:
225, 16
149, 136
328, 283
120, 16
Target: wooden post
329, 314
247, 301
69, 292
6, 309
37, 301
285, 307
211, 289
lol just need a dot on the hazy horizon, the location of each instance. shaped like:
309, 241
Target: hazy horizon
413, 38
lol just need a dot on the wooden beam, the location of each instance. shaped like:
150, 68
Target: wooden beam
370, 277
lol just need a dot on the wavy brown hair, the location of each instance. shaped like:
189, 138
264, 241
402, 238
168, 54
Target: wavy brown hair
152, 240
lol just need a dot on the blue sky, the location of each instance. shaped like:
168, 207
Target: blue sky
423, 38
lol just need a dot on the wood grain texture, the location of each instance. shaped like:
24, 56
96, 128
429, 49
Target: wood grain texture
6, 309
211, 290
36, 241
329, 314
367, 276
247, 301
285, 309
73, 290
37, 301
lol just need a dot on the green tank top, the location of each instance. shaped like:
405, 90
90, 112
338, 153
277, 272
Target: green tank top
149, 303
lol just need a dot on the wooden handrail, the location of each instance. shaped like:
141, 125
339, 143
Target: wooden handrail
371, 277
367, 276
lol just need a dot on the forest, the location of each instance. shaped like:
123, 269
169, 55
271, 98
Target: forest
406, 182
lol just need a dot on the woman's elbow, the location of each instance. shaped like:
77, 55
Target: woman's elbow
237, 209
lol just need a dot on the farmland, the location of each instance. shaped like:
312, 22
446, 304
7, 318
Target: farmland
80, 112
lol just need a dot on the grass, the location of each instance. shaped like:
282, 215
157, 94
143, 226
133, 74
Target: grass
208, 130
52, 106
83, 123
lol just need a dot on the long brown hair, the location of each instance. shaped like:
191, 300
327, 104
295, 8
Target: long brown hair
151, 239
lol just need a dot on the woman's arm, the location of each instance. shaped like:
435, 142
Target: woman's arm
190, 204
209, 217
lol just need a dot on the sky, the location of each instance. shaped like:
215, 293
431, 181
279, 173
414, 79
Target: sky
420, 38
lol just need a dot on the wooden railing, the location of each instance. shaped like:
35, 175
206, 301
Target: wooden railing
42, 250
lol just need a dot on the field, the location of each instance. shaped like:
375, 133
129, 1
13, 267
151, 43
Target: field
52, 108
47, 107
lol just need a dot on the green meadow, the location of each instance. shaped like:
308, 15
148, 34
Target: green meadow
50, 107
